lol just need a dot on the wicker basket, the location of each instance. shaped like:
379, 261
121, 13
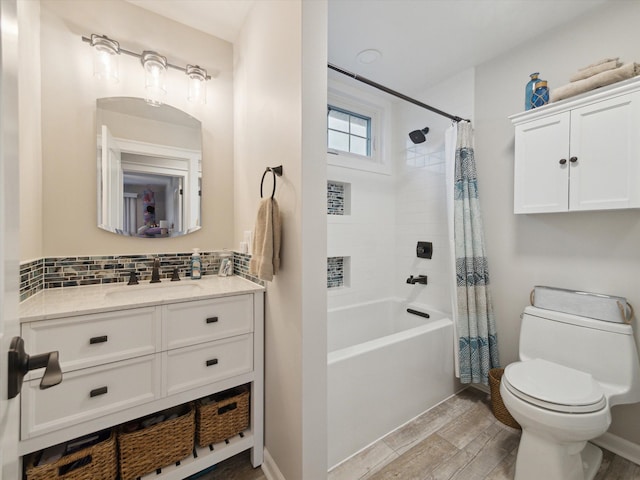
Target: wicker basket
147, 449
497, 405
97, 462
226, 416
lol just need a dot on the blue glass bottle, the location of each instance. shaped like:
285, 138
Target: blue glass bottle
540, 94
528, 92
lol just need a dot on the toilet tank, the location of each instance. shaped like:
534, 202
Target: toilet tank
606, 350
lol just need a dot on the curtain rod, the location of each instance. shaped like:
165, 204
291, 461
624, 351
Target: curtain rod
394, 93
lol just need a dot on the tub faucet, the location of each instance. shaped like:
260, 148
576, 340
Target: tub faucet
155, 272
419, 279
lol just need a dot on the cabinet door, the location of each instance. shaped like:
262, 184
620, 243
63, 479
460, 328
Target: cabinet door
605, 158
541, 168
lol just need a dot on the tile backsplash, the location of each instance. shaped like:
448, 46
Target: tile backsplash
60, 272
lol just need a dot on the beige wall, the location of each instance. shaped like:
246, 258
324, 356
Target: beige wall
30, 143
591, 251
280, 108
69, 93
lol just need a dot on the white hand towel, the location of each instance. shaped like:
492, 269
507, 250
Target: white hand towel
600, 62
265, 257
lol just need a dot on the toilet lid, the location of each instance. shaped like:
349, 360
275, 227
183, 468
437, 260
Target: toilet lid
554, 387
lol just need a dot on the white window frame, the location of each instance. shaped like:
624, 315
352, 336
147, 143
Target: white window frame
351, 100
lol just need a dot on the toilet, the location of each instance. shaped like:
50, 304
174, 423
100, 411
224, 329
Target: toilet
572, 370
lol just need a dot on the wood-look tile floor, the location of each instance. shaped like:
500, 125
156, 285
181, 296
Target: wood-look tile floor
459, 439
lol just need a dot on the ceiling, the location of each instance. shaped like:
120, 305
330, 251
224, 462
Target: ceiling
421, 42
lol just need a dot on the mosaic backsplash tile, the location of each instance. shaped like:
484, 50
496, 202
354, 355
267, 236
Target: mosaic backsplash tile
335, 198
335, 272
31, 278
57, 272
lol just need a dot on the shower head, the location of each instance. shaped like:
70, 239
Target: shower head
418, 136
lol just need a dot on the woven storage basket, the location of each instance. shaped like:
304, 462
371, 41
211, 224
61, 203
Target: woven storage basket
226, 416
497, 405
102, 464
145, 450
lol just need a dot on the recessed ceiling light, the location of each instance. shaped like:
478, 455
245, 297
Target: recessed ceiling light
368, 56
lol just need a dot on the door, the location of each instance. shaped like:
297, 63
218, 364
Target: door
9, 252
111, 181
605, 155
541, 170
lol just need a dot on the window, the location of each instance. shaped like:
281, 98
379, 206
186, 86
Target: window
348, 131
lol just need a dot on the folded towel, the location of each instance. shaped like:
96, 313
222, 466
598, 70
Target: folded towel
265, 257
600, 62
599, 80
591, 71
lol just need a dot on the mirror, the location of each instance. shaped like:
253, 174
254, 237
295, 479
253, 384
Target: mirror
149, 168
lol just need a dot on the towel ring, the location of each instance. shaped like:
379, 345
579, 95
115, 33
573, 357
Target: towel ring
275, 171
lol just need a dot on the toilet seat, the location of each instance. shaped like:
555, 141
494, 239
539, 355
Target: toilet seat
554, 387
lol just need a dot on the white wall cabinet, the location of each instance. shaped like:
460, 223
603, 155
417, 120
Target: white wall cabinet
580, 154
123, 364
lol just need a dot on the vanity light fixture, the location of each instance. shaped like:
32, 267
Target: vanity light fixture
105, 57
155, 70
197, 86
155, 65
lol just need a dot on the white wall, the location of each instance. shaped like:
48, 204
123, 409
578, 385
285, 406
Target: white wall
280, 113
590, 251
69, 93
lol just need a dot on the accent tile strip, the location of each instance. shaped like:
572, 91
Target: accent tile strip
60, 272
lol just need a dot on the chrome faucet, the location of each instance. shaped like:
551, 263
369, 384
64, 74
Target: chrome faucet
419, 279
155, 273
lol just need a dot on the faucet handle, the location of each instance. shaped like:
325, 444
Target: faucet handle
175, 277
133, 278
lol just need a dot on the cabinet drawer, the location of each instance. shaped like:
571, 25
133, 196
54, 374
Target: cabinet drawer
191, 367
90, 340
86, 394
203, 321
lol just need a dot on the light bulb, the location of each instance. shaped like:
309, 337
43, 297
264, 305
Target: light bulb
105, 58
155, 67
197, 84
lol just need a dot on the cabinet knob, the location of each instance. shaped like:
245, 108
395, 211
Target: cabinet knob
563, 161
573, 159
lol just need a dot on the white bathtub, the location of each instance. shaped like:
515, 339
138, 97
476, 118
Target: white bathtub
385, 367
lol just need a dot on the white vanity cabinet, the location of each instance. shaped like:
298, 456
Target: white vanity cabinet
127, 361
579, 154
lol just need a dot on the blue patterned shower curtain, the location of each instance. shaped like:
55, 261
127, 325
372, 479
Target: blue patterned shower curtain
476, 326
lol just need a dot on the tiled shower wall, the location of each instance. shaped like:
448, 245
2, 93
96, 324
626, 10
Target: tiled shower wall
57, 272
362, 237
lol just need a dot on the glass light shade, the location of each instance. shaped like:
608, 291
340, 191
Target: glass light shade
155, 68
105, 58
197, 84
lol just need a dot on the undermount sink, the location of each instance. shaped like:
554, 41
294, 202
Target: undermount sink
154, 291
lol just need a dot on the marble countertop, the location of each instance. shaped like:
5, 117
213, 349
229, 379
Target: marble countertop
70, 301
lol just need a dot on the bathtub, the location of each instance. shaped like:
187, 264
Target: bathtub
385, 367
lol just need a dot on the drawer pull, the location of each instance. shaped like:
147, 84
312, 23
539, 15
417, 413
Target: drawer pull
94, 340
212, 362
98, 391
212, 320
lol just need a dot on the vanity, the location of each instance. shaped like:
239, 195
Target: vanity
129, 351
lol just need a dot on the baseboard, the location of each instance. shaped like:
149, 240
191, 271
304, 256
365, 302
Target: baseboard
619, 446
270, 469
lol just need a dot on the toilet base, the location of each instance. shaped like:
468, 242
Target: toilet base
591, 460
540, 458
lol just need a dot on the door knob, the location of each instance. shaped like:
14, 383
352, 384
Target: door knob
20, 363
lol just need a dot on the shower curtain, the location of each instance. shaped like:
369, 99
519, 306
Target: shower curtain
474, 322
